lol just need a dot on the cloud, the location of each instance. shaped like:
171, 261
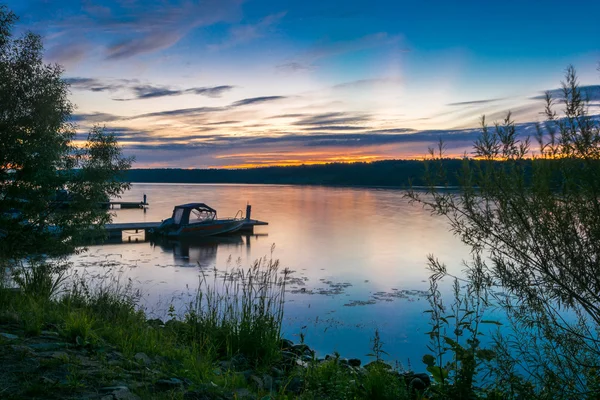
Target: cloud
369, 83
333, 118
149, 91
97, 85
255, 100
327, 49
474, 102
67, 53
590, 92
130, 28
246, 33
140, 91
294, 66
96, 117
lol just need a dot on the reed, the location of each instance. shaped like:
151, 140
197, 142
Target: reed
240, 313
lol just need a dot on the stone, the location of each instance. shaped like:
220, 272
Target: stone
301, 349
286, 344
49, 334
295, 385
354, 362
8, 336
124, 394
48, 346
109, 389
169, 384
143, 358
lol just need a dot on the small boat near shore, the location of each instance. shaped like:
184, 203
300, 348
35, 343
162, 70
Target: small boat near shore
197, 220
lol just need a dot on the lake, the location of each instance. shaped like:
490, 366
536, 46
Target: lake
359, 256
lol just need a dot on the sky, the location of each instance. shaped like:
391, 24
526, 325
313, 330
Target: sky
244, 83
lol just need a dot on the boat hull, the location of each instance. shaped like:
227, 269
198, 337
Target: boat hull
212, 228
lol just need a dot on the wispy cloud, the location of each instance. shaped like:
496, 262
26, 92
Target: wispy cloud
142, 91
475, 102
246, 33
333, 118
589, 92
149, 92
255, 100
327, 49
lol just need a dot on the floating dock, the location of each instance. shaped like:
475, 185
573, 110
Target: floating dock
124, 204
115, 231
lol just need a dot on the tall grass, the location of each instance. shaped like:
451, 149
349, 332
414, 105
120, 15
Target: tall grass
241, 311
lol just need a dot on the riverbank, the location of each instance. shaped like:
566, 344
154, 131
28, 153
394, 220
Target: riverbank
93, 343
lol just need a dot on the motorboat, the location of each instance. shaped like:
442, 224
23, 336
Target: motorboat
197, 220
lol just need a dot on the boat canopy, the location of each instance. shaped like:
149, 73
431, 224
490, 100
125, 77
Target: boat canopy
193, 213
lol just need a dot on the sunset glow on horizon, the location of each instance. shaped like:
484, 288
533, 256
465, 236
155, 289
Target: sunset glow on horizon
247, 83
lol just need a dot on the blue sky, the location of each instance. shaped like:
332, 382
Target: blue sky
221, 83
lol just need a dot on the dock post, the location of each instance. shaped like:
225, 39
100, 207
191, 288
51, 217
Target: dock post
248, 211
145, 199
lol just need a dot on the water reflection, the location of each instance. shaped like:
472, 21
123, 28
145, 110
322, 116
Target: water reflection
357, 253
203, 251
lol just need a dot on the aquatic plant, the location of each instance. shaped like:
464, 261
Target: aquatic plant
241, 312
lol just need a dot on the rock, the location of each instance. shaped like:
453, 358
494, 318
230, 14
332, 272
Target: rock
295, 385
47, 346
302, 364
109, 389
169, 384
301, 349
8, 336
354, 362
124, 394
288, 356
143, 358
286, 344
306, 358
343, 361
49, 334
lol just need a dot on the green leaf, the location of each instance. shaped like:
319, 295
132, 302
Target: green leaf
438, 373
429, 360
487, 321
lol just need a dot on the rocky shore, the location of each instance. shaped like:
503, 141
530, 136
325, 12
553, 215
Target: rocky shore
47, 366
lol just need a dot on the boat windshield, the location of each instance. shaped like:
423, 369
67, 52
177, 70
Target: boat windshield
201, 216
177, 215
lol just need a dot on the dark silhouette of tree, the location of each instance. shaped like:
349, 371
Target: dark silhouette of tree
41, 168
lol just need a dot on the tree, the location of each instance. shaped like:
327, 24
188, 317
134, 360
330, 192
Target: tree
534, 218
49, 187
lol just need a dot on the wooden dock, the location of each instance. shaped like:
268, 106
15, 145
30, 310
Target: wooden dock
117, 230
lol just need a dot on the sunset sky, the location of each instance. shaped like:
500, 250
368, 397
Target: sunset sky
222, 83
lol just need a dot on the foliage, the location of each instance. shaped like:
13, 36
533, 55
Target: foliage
242, 312
456, 332
534, 219
49, 187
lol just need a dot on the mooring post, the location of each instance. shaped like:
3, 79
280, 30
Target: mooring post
248, 211
145, 199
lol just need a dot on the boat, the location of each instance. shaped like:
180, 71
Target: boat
197, 220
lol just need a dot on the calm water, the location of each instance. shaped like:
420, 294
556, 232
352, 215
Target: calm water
359, 256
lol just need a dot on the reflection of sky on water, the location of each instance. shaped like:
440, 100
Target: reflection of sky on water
346, 246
